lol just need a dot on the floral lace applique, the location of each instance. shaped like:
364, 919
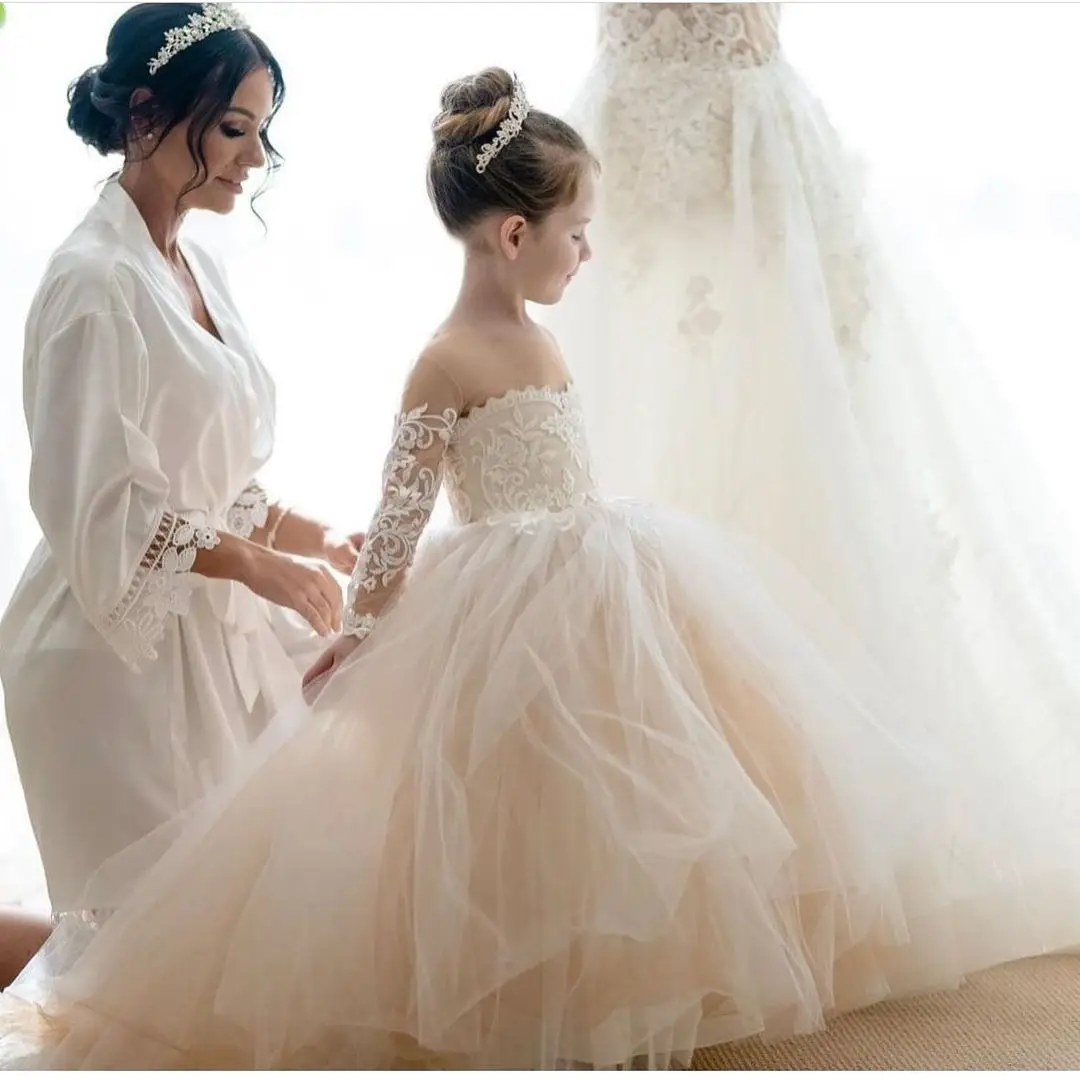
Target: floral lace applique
526, 451
250, 511
737, 35
161, 587
411, 479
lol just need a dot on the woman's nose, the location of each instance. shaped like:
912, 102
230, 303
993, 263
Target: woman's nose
255, 155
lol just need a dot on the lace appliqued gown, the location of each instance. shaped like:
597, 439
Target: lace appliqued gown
600, 784
756, 346
731, 281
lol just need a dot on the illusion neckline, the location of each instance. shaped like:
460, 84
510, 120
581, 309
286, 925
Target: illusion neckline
515, 396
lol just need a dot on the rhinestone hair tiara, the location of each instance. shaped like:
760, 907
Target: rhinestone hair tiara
508, 130
200, 24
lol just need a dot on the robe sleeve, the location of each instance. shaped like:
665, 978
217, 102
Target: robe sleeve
96, 485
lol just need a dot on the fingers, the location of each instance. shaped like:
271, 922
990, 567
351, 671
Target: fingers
342, 557
310, 590
321, 603
334, 596
314, 607
344, 561
318, 669
310, 610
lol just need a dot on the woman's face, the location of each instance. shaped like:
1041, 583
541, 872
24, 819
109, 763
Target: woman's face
231, 149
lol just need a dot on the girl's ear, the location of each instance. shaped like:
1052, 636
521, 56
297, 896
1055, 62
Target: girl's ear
512, 235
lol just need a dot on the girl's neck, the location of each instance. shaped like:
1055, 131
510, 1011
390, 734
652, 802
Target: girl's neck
486, 295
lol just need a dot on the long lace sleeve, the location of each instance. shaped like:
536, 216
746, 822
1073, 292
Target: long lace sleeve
412, 476
96, 485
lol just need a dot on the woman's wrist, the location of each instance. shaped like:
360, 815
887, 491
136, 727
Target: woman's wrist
274, 525
231, 559
289, 530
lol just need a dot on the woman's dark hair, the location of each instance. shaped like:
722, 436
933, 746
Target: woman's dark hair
197, 83
535, 173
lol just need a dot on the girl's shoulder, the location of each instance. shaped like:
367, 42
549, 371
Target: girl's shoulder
485, 361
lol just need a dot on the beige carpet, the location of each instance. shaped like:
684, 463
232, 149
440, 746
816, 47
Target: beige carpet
1021, 1016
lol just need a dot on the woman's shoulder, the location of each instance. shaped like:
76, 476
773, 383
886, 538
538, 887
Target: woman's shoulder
88, 274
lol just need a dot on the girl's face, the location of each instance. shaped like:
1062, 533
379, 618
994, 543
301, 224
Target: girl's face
552, 252
231, 149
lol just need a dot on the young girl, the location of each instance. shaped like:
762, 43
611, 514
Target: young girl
582, 783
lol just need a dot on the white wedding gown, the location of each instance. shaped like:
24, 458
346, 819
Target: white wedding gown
604, 784
755, 347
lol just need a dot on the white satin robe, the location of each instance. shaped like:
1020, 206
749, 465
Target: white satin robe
129, 683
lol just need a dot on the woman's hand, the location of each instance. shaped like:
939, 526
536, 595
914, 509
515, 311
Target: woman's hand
331, 659
298, 534
303, 585
341, 552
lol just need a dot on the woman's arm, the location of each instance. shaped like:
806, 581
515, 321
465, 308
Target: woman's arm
283, 527
103, 501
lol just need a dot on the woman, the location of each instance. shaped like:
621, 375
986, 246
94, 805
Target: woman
139, 654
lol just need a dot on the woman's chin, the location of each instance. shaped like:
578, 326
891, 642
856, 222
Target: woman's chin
217, 197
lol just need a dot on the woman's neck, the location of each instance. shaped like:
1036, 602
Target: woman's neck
158, 210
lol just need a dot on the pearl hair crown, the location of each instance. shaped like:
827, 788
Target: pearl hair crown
508, 130
200, 25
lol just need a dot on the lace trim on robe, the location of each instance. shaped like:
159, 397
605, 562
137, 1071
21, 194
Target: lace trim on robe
161, 587
250, 511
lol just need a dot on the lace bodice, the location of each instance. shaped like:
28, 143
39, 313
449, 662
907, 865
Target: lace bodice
713, 35
519, 455
659, 106
705, 130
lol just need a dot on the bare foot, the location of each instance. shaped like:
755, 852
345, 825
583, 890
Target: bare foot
21, 935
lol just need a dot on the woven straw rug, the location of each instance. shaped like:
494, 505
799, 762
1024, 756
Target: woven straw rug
1020, 1016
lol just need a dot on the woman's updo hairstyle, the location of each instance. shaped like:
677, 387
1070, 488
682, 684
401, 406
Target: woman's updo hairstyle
536, 172
197, 83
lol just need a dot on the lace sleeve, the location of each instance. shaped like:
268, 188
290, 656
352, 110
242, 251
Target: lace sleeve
412, 476
250, 511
